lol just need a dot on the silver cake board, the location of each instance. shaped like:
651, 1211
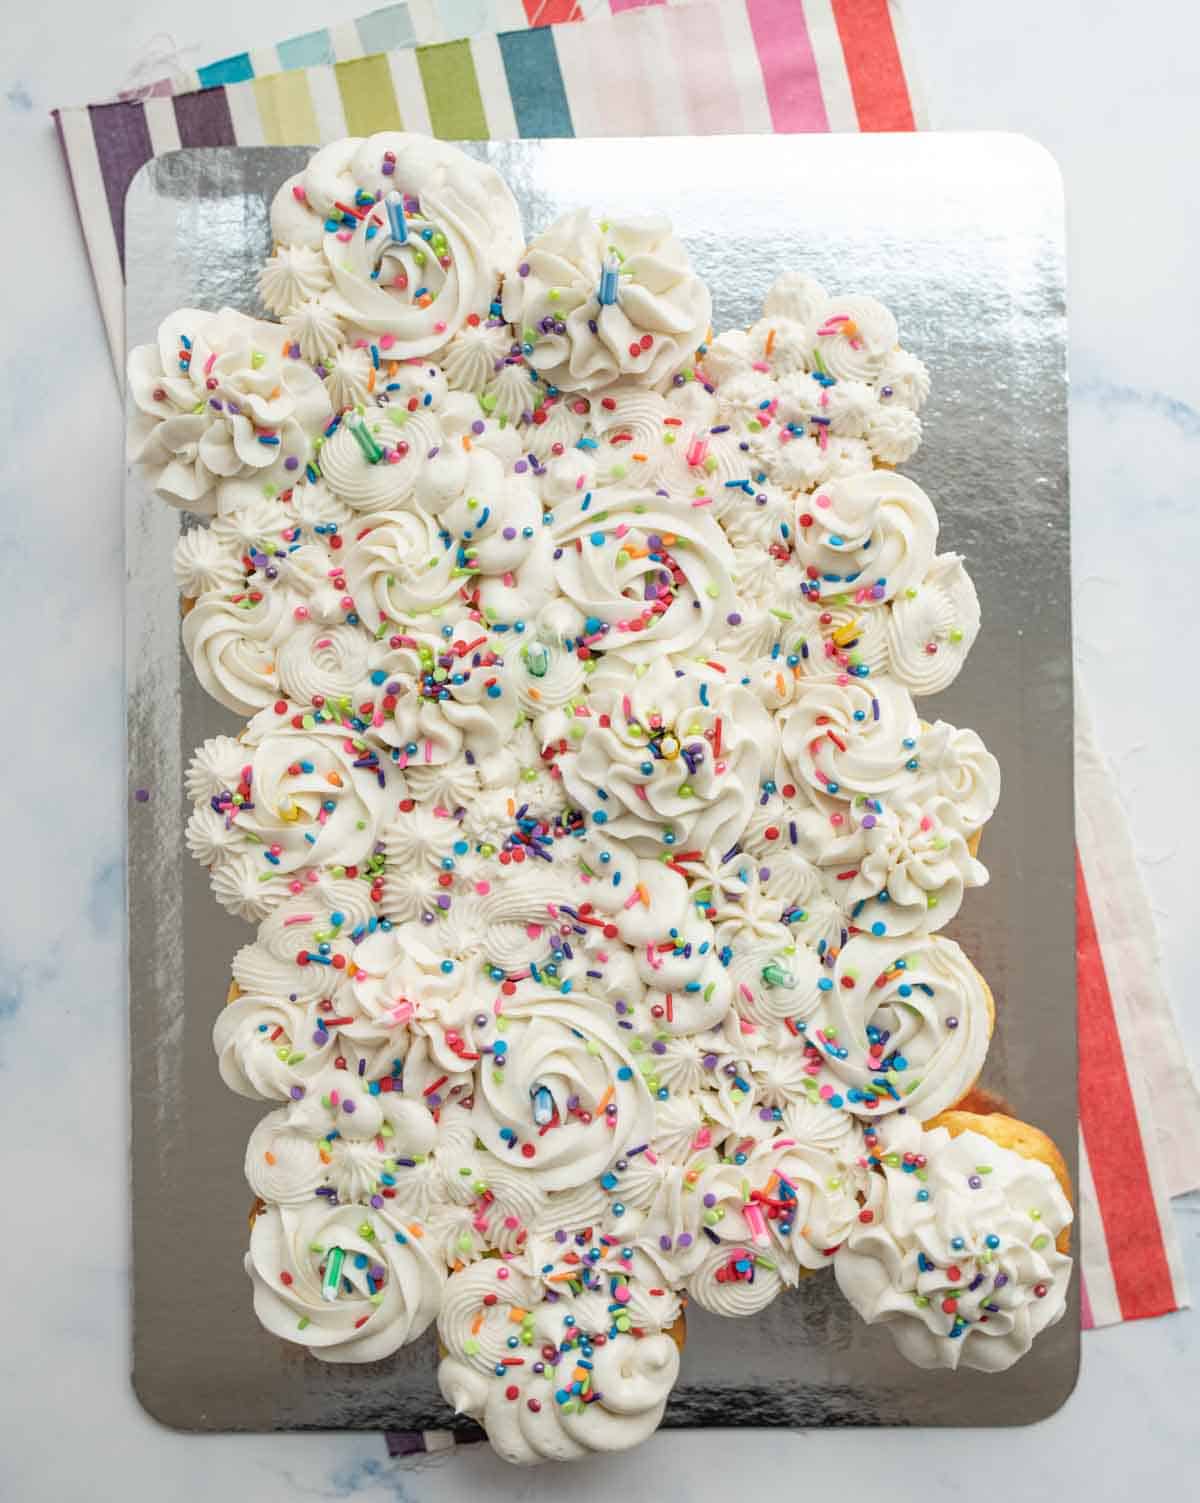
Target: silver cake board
962, 236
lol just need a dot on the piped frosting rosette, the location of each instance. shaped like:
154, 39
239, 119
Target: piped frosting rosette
579, 1378
645, 574
350, 1283
955, 1249
567, 1094
869, 536
597, 301
898, 1028
409, 278
308, 795
846, 741
223, 417
270, 1048
932, 626
669, 761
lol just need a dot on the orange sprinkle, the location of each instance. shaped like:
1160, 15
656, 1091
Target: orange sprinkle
516, 1315
535, 694
558, 1278
417, 1231
371, 380
642, 458
770, 341
644, 894
477, 1324
270, 1157
604, 1100
466, 442
335, 778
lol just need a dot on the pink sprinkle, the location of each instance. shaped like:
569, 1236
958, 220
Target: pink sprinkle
344, 235
298, 193
825, 1092
210, 362
386, 341
300, 918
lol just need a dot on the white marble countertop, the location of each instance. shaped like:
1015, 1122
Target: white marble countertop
1111, 91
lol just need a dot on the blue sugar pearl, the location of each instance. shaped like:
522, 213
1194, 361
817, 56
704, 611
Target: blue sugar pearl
493, 691
922, 1195
957, 1244
992, 1240
824, 984
337, 919
514, 1341
379, 676
647, 768
878, 928
447, 967
624, 1073
904, 989
832, 787
600, 817
860, 714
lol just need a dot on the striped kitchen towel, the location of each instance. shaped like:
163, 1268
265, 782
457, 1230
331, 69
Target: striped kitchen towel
1139, 1104
513, 68
632, 69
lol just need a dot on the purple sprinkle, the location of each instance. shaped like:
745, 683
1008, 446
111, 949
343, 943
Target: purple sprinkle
349, 1107
291, 463
477, 426
868, 822
297, 1093
508, 534
734, 618
142, 795
684, 1239
1001, 1280
523, 269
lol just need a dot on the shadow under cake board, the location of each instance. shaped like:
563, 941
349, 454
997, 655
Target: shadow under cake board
962, 237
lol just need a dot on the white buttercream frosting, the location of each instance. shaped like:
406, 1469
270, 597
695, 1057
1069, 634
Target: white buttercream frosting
594, 838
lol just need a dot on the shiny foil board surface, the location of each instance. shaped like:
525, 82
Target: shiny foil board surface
962, 237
